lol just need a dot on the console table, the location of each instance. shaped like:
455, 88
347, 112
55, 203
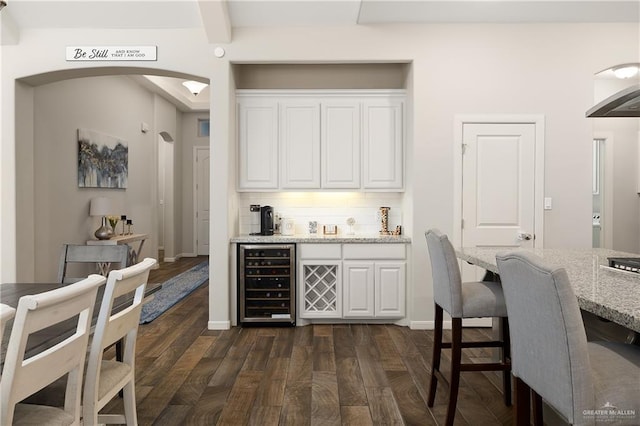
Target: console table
130, 240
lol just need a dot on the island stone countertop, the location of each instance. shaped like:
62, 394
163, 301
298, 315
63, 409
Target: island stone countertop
603, 291
314, 239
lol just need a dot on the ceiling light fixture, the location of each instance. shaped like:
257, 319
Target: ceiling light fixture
194, 87
625, 70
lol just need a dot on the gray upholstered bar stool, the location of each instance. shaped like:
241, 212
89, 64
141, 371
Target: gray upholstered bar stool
463, 300
585, 382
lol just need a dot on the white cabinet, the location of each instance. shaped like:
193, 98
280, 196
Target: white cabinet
258, 143
374, 289
382, 143
300, 144
340, 135
374, 280
358, 291
320, 139
364, 281
389, 289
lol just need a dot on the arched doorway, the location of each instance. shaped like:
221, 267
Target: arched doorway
50, 213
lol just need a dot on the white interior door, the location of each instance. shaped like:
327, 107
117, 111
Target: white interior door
498, 184
201, 196
498, 189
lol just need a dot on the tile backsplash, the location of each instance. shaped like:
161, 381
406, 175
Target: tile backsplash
327, 208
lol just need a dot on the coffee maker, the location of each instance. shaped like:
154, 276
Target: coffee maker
266, 220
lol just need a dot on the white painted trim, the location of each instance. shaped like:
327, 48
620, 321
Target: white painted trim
605, 226
219, 325
446, 325
421, 325
195, 198
538, 122
319, 92
477, 322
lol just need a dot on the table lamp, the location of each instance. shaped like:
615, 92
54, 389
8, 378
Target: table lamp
101, 206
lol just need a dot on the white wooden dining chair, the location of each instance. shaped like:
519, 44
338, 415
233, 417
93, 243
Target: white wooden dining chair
6, 313
106, 378
22, 376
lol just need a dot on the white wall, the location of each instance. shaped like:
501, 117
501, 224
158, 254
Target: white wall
459, 69
112, 105
455, 69
39, 58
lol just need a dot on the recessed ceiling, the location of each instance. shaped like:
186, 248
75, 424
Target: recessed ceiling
169, 14
173, 14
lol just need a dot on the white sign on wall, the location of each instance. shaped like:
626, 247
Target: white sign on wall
112, 53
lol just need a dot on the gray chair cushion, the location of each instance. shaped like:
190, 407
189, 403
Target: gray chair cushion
482, 299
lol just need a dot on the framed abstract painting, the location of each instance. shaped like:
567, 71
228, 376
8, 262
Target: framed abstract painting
103, 160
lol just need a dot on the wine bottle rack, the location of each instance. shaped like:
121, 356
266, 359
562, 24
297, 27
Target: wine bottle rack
266, 284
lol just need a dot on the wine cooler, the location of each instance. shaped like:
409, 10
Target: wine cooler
266, 287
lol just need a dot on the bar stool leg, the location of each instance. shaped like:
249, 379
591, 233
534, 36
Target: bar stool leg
456, 359
437, 352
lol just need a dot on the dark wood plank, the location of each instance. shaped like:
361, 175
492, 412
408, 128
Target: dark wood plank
350, 374
325, 407
383, 405
410, 403
356, 415
350, 385
296, 407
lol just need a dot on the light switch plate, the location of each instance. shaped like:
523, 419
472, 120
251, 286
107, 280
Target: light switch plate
547, 203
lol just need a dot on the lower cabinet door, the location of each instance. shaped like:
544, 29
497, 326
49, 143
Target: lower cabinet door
320, 289
358, 290
390, 299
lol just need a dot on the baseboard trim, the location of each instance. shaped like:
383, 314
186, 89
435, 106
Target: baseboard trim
428, 325
173, 259
219, 325
421, 325
446, 325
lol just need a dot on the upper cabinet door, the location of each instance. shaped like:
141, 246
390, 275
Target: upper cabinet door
340, 142
258, 143
300, 144
382, 143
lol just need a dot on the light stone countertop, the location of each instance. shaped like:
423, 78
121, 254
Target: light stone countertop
607, 293
319, 238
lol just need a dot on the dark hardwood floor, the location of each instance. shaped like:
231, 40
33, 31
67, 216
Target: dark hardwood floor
353, 374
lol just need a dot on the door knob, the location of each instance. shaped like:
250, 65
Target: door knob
524, 236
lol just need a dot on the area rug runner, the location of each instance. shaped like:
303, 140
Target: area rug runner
173, 291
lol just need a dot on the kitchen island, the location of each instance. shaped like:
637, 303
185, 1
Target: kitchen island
610, 294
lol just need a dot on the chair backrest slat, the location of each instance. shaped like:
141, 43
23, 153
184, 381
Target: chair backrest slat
116, 255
